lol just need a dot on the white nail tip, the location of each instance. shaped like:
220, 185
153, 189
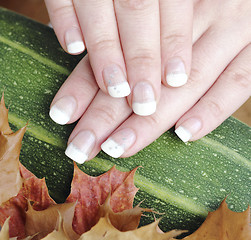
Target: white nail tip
119, 90
59, 116
176, 79
183, 134
111, 148
144, 109
75, 154
76, 47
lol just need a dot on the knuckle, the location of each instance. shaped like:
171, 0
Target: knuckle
89, 87
174, 42
143, 59
240, 78
214, 106
135, 4
105, 114
153, 120
64, 10
103, 43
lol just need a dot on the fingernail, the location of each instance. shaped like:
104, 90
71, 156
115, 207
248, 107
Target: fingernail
144, 102
63, 109
74, 41
81, 146
119, 142
115, 80
176, 73
188, 129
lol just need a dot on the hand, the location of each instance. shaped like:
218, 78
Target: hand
219, 83
123, 39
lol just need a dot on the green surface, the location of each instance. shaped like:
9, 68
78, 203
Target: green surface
183, 181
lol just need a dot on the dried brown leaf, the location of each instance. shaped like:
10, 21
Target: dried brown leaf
35, 190
58, 233
11, 181
17, 184
105, 230
123, 221
4, 233
91, 192
14, 208
44, 222
224, 224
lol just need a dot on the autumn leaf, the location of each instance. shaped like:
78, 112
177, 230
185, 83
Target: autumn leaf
45, 222
105, 230
126, 220
11, 180
35, 190
224, 224
91, 192
4, 233
59, 232
9, 161
17, 184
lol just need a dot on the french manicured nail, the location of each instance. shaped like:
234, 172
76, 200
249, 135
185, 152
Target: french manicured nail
115, 81
81, 146
144, 102
74, 41
176, 73
188, 129
63, 109
119, 142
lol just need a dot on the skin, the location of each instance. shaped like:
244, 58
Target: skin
139, 36
219, 81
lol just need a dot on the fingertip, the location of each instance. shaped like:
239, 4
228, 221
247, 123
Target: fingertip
81, 146
119, 142
144, 100
76, 47
184, 134
188, 129
112, 148
63, 109
175, 74
144, 109
74, 41
177, 79
115, 81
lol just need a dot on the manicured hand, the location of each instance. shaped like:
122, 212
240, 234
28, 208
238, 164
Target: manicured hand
132, 44
220, 82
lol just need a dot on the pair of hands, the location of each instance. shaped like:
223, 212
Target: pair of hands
133, 47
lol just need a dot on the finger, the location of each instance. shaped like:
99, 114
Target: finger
101, 118
98, 22
75, 94
139, 29
230, 91
65, 24
203, 17
176, 18
207, 55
